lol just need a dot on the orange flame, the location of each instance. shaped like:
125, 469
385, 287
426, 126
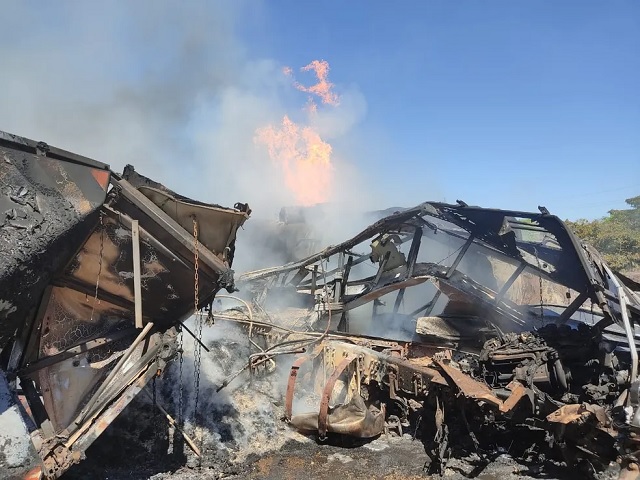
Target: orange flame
323, 88
304, 158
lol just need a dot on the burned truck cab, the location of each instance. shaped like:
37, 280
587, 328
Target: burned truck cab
442, 309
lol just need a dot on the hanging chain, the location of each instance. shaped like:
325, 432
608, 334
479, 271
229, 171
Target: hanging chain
95, 296
198, 318
196, 285
535, 250
180, 413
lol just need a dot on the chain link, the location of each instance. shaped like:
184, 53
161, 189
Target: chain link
196, 285
180, 413
199, 321
95, 296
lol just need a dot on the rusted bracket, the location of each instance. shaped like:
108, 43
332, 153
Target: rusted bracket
291, 383
393, 384
518, 392
326, 395
476, 390
469, 387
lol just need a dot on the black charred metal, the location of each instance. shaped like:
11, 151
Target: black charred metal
510, 333
46, 212
67, 290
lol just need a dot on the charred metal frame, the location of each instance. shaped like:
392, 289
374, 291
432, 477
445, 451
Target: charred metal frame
133, 333
407, 371
574, 265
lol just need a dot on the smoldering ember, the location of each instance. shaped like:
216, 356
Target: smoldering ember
440, 340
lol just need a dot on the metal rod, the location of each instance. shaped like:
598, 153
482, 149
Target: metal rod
174, 424
399, 297
314, 280
572, 308
432, 303
344, 320
458, 259
425, 306
194, 336
137, 284
627, 325
413, 252
383, 265
505, 288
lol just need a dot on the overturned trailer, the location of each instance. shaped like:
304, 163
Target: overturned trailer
473, 326
97, 272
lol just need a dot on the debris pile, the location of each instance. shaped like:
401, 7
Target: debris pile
477, 331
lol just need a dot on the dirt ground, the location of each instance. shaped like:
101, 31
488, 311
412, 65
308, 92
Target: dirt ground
385, 458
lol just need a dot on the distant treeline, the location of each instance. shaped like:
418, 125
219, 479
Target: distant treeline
616, 236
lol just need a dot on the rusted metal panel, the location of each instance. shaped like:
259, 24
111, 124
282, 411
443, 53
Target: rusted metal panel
518, 392
469, 387
291, 384
326, 395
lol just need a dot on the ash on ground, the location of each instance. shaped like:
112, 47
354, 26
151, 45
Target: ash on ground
232, 426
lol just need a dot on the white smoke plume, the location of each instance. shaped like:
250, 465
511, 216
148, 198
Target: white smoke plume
242, 419
172, 89
168, 87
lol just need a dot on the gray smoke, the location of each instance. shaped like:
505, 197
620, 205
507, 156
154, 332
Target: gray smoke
243, 418
171, 89
168, 87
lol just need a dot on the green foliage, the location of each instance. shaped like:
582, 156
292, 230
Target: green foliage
616, 237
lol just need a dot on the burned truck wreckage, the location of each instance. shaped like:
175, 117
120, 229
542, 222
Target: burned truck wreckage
97, 274
475, 329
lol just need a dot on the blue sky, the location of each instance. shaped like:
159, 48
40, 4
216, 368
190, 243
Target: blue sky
508, 104
500, 103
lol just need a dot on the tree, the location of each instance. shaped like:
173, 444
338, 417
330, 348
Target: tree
616, 237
